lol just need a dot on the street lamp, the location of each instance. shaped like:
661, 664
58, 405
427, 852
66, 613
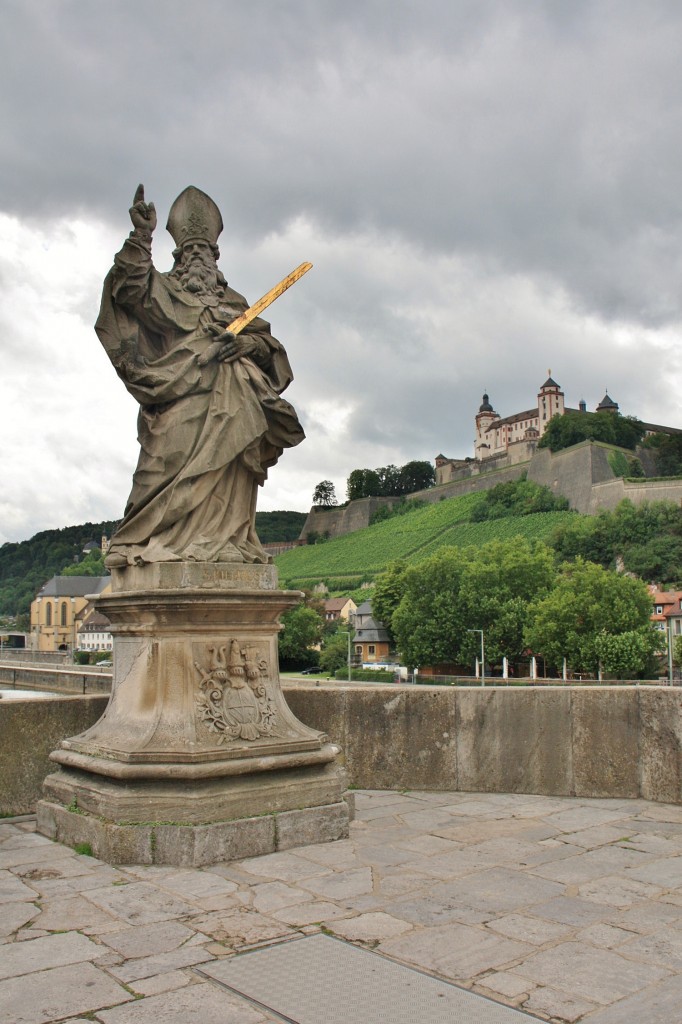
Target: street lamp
348, 634
482, 654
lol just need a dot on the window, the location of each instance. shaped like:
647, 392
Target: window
48, 613
64, 613
371, 649
659, 609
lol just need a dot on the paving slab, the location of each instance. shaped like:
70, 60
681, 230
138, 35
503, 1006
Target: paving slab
139, 903
456, 951
206, 1003
240, 927
275, 895
558, 1005
499, 889
148, 939
599, 975
658, 1004
63, 913
47, 996
12, 889
529, 929
52, 951
16, 915
147, 966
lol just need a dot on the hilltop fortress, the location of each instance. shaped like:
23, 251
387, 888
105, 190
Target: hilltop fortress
507, 447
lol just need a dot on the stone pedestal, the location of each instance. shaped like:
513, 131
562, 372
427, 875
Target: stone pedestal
197, 758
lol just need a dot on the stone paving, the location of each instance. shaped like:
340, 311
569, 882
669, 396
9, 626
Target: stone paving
566, 908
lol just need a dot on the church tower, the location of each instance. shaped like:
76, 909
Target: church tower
485, 416
550, 402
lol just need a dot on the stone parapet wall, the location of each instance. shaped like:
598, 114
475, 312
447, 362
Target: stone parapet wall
62, 680
29, 730
616, 741
26, 656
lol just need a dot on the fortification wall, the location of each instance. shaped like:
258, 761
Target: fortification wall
337, 521
581, 474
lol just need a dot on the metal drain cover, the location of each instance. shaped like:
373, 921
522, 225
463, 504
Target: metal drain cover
322, 980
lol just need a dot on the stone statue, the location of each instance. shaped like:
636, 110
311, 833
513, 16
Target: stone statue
211, 418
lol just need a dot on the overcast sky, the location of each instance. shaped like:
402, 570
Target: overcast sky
487, 190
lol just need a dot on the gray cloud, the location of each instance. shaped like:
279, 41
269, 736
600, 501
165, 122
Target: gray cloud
486, 188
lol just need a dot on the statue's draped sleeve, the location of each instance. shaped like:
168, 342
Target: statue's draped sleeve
153, 332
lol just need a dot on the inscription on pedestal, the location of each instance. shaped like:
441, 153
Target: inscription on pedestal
234, 700
195, 576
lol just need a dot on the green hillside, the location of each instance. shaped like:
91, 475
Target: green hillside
26, 565
362, 555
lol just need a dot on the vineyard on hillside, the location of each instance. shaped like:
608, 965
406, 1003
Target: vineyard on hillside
360, 556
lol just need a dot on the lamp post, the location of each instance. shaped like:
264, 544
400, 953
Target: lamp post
348, 634
482, 653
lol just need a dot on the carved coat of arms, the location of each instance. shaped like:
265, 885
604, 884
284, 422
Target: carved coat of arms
233, 700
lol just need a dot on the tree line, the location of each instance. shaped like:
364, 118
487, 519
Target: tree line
575, 597
581, 597
383, 482
525, 603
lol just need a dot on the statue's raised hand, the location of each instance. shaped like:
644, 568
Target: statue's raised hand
143, 215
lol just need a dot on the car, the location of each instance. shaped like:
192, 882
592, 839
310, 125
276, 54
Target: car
107, 663
313, 670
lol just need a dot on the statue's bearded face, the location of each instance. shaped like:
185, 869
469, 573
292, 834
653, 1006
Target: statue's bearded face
197, 268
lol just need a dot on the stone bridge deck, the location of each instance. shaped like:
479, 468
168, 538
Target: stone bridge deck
565, 909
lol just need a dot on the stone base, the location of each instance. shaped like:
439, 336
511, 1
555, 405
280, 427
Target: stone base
198, 802
191, 845
197, 758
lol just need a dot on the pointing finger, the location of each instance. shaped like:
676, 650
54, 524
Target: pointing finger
139, 195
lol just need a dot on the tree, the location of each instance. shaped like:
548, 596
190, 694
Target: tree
658, 560
389, 481
92, 565
302, 631
631, 653
456, 591
387, 594
648, 537
363, 483
668, 451
517, 498
334, 653
429, 622
574, 427
325, 494
587, 602
503, 578
416, 476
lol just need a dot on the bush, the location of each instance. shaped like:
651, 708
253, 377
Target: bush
365, 675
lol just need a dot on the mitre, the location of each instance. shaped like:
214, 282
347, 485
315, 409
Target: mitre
194, 215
